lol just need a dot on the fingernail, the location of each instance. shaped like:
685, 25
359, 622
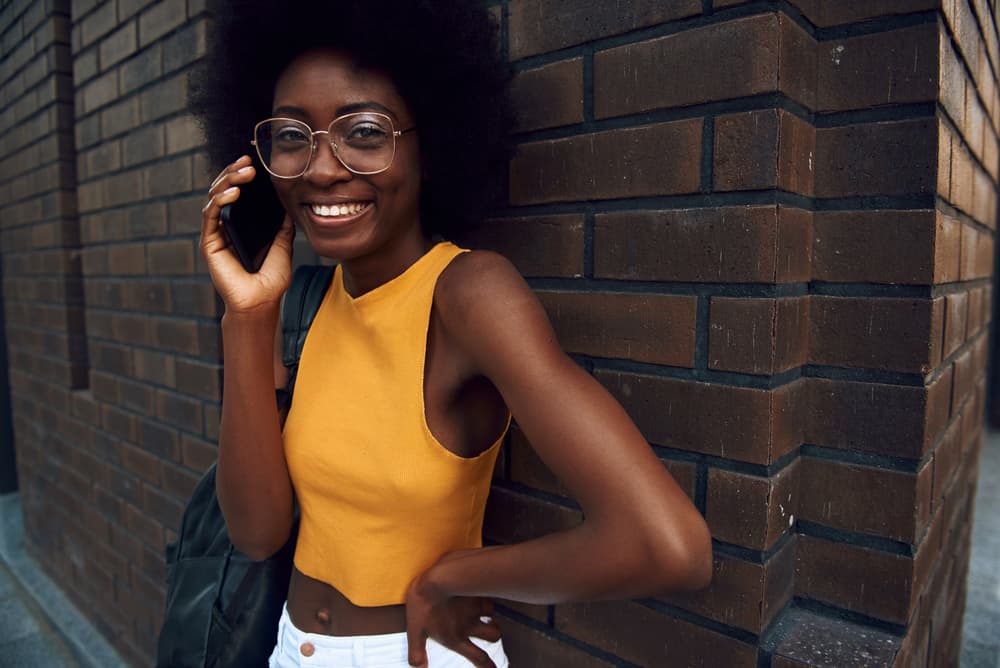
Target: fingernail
230, 189
243, 170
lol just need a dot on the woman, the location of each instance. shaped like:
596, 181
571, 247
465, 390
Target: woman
379, 124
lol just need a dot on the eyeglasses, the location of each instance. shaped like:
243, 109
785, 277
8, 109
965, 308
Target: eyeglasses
364, 143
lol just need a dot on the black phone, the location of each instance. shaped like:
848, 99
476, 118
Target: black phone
251, 222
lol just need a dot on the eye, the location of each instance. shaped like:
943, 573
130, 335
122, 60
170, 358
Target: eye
366, 134
291, 134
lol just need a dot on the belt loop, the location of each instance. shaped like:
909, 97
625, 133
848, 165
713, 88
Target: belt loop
358, 652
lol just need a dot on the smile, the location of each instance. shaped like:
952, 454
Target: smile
334, 210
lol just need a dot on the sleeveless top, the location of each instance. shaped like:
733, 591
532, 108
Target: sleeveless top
380, 498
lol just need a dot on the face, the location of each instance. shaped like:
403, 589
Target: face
344, 215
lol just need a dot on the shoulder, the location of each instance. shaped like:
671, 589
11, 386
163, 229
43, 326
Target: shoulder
489, 310
481, 285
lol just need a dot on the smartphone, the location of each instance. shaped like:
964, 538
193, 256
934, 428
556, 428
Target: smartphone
251, 222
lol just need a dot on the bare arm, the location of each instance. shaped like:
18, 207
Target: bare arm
252, 482
641, 534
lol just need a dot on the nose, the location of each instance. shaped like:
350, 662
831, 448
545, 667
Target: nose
325, 167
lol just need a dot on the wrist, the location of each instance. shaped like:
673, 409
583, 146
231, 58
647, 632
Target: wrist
264, 316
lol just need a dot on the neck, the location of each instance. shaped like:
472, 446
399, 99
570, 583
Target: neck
364, 274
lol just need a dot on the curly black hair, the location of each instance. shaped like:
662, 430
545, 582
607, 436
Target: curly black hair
442, 55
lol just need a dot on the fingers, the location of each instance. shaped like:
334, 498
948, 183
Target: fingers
476, 656
487, 630
224, 190
416, 643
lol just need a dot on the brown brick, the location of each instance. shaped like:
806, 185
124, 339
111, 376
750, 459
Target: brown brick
159, 440
546, 25
884, 68
513, 517
659, 329
758, 336
879, 246
825, 14
161, 507
155, 367
142, 145
893, 420
862, 580
538, 245
164, 97
610, 164
127, 259
962, 179
865, 499
98, 23
118, 46
548, 96
947, 458
964, 383
738, 423
173, 257
176, 335
885, 158
178, 482
624, 628
142, 526
955, 318
183, 134
168, 177
160, 19
749, 510
99, 92
197, 298
177, 410
877, 333
975, 321
947, 248
746, 151
197, 454
185, 46
672, 72
528, 647
199, 379
145, 67
140, 463
759, 244
744, 594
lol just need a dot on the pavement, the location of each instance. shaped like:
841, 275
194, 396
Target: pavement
40, 628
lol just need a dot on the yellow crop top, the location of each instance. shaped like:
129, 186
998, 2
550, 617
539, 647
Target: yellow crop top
380, 498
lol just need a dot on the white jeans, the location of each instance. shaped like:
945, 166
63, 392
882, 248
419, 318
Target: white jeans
380, 651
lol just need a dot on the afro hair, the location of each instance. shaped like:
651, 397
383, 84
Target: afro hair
443, 56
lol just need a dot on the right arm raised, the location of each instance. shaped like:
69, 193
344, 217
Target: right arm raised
252, 484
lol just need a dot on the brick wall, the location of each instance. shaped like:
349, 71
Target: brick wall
766, 227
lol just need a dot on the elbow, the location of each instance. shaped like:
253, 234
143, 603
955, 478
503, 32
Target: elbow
684, 559
258, 548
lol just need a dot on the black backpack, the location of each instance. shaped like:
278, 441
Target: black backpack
222, 607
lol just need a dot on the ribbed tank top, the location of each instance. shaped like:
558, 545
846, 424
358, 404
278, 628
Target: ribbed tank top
380, 498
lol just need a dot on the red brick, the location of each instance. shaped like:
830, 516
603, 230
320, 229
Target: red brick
548, 96
879, 246
885, 158
893, 420
859, 579
877, 333
537, 245
751, 511
738, 423
758, 244
672, 72
610, 164
884, 68
964, 384
659, 329
758, 336
947, 457
865, 499
648, 638
538, 26
955, 318
529, 648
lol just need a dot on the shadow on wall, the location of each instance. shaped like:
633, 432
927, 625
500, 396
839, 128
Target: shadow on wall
8, 471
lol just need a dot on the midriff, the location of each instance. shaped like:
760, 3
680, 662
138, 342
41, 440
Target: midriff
316, 607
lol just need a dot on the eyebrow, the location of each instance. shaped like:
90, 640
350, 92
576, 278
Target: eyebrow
346, 109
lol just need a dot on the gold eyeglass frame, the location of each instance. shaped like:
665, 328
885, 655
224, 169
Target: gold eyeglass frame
333, 145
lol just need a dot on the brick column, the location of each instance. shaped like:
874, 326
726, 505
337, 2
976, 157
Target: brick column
769, 232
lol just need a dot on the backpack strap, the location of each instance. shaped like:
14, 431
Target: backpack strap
304, 296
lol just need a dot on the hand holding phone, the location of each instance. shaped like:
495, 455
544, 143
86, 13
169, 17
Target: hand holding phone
251, 222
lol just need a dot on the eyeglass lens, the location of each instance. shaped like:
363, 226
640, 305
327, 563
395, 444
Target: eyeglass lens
364, 142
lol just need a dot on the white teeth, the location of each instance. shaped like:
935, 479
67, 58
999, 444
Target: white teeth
338, 210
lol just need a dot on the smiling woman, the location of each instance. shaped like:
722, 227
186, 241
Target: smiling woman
378, 124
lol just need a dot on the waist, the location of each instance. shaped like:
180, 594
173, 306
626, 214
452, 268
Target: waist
317, 607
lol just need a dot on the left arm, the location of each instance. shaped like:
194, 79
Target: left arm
641, 534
